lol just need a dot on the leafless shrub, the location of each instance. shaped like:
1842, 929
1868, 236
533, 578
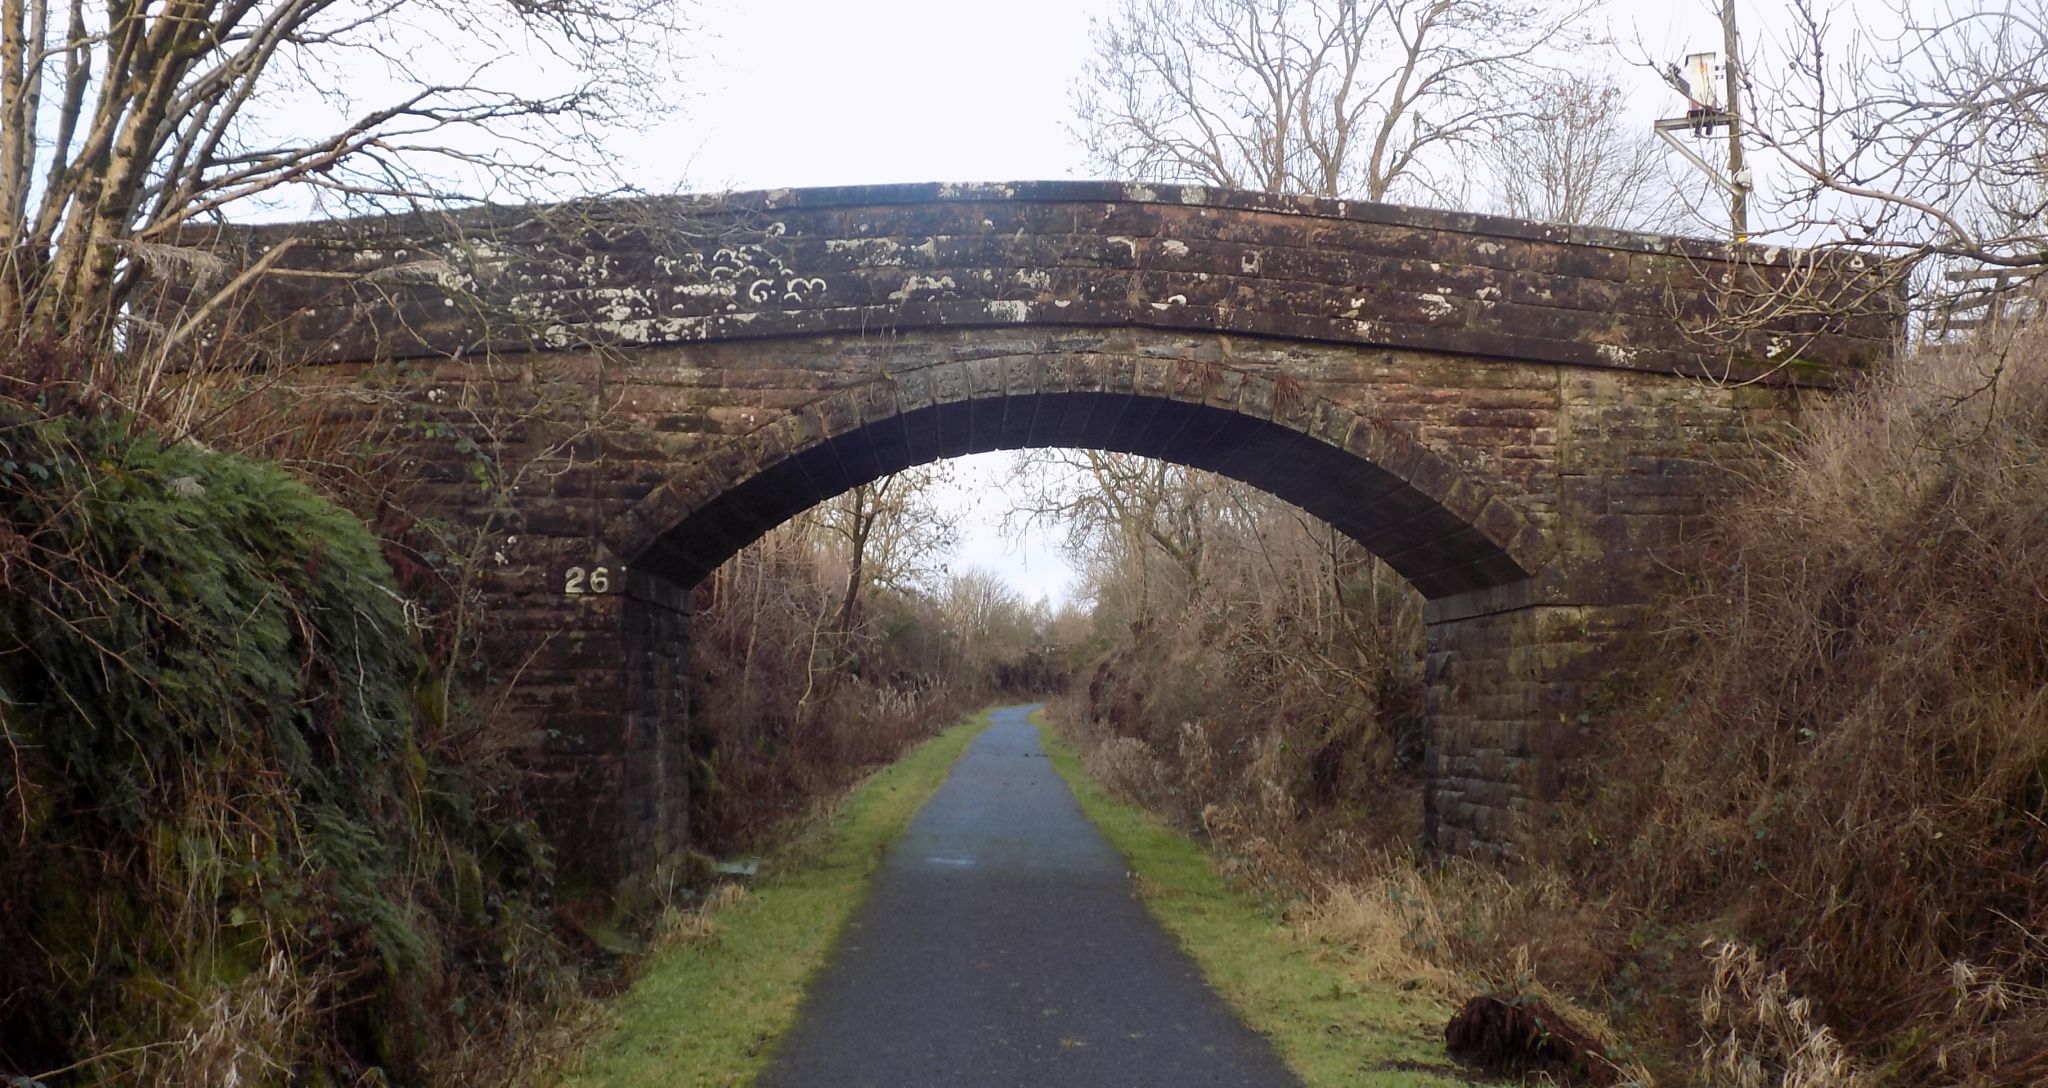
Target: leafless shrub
1126, 768
831, 644
1272, 667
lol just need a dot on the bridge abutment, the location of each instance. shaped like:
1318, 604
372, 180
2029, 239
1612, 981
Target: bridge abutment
1507, 710
593, 692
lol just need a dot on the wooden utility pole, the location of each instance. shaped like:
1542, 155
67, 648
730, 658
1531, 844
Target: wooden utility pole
1738, 174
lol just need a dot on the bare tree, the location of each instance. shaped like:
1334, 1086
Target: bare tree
1291, 668
1335, 98
889, 533
1128, 513
1576, 157
122, 123
982, 607
1930, 140
989, 622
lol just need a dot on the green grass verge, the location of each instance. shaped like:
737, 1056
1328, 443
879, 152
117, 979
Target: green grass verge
705, 1013
1329, 1030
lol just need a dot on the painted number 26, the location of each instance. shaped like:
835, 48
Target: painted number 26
594, 580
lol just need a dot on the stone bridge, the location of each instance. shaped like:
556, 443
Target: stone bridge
1522, 419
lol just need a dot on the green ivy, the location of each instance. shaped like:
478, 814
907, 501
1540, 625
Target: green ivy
209, 690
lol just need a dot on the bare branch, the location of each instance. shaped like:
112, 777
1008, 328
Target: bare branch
1337, 98
188, 109
1927, 141
1573, 158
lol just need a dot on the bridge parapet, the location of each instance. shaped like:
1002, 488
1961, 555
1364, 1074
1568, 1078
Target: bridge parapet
876, 260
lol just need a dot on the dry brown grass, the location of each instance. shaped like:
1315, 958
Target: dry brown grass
249, 1032
696, 924
1761, 1035
1852, 773
1374, 911
1401, 923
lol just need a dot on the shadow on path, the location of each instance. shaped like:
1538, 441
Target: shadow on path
1003, 945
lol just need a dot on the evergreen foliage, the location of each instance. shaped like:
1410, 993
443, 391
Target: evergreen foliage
229, 853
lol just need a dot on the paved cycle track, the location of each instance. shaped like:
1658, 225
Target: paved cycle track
1003, 945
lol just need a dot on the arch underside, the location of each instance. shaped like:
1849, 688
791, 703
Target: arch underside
1436, 528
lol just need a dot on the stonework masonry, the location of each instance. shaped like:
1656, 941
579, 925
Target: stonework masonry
1521, 418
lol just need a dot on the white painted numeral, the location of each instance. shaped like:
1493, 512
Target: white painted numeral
578, 581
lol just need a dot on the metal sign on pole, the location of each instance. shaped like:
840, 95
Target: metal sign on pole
1707, 109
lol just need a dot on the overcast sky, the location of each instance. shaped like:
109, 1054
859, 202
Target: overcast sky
837, 92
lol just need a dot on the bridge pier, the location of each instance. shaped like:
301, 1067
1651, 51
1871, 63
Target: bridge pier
656, 772
604, 683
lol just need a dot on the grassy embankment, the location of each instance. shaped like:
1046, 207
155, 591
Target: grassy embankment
727, 985
1332, 1024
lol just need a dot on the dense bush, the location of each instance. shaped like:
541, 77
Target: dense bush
233, 849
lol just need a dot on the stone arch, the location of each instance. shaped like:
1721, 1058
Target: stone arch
1429, 520
1093, 305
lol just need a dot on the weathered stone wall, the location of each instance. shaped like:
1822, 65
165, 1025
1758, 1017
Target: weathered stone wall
600, 681
873, 261
1506, 700
1507, 412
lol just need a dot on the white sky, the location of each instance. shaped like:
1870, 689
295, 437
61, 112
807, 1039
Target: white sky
838, 92
817, 92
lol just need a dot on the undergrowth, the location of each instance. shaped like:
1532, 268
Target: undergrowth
1848, 770
233, 852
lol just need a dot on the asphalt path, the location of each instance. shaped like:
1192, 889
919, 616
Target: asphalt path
1003, 946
